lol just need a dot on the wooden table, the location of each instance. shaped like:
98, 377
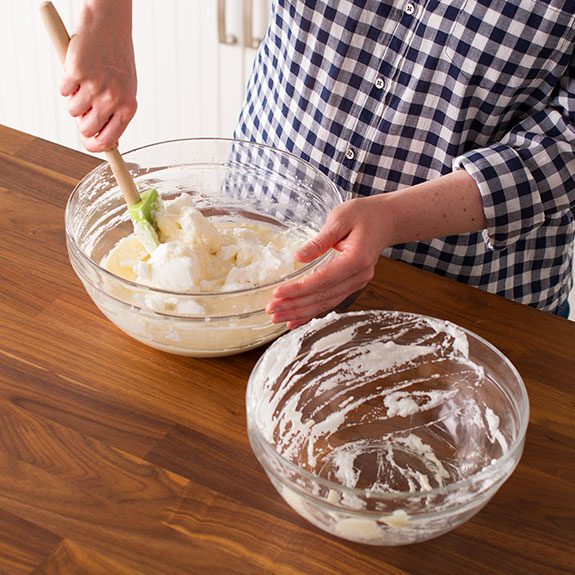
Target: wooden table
116, 458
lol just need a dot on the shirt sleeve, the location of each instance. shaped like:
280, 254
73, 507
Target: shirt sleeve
530, 174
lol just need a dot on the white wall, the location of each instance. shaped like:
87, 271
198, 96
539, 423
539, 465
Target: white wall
29, 74
189, 85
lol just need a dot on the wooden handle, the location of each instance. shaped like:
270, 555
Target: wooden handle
56, 29
123, 177
60, 39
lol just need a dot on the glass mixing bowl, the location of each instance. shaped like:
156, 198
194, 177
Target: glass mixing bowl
225, 178
386, 428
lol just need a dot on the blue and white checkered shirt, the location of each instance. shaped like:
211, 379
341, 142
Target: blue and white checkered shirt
381, 95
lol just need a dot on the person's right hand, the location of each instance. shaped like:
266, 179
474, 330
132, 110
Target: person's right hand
100, 74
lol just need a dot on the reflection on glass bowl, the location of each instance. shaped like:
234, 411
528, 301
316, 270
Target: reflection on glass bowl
224, 177
383, 427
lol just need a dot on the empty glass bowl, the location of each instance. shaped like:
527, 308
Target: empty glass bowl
225, 178
384, 427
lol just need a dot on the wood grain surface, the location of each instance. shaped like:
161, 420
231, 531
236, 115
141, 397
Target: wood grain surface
117, 459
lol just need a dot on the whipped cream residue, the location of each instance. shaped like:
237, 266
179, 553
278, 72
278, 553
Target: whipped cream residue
386, 406
495, 434
405, 403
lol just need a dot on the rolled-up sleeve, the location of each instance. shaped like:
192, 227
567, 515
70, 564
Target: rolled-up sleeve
529, 174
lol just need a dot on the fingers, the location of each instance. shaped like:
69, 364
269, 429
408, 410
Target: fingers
80, 102
100, 118
91, 123
302, 310
300, 301
331, 233
294, 324
95, 113
69, 85
354, 263
98, 133
107, 137
112, 131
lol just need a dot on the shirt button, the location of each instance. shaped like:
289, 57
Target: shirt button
410, 9
350, 154
379, 83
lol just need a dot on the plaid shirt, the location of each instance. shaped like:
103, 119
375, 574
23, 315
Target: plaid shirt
381, 95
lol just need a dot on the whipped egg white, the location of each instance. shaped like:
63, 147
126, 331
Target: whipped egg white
200, 254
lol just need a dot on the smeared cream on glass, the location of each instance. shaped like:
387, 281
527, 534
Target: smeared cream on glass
378, 407
200, 254
394, 411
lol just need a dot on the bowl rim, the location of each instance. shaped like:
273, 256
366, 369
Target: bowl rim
72, 243
501, 462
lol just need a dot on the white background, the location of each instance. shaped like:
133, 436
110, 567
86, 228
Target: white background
189, 85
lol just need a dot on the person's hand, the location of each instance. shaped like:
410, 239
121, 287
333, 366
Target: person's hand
359, 229
100, 75
358, 233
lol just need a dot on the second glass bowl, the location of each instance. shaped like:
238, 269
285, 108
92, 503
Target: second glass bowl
386, 428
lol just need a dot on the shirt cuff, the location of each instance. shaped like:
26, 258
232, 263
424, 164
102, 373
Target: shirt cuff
511, 201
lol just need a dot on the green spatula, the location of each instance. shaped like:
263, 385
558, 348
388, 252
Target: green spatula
141, 207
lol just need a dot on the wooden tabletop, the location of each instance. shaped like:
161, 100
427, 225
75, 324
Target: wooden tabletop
116, 458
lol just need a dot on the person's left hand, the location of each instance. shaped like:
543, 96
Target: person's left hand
358, 230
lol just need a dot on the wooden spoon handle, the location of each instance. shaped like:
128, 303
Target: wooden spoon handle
60, 39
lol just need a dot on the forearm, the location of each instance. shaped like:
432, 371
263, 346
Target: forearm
117, 13
448, 205
121, 8
360, 228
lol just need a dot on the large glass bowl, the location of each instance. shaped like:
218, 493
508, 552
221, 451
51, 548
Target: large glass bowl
224, 177
386, 428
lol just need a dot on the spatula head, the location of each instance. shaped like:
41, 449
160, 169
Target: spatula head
143, 216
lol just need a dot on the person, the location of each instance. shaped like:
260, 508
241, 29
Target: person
452, 123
